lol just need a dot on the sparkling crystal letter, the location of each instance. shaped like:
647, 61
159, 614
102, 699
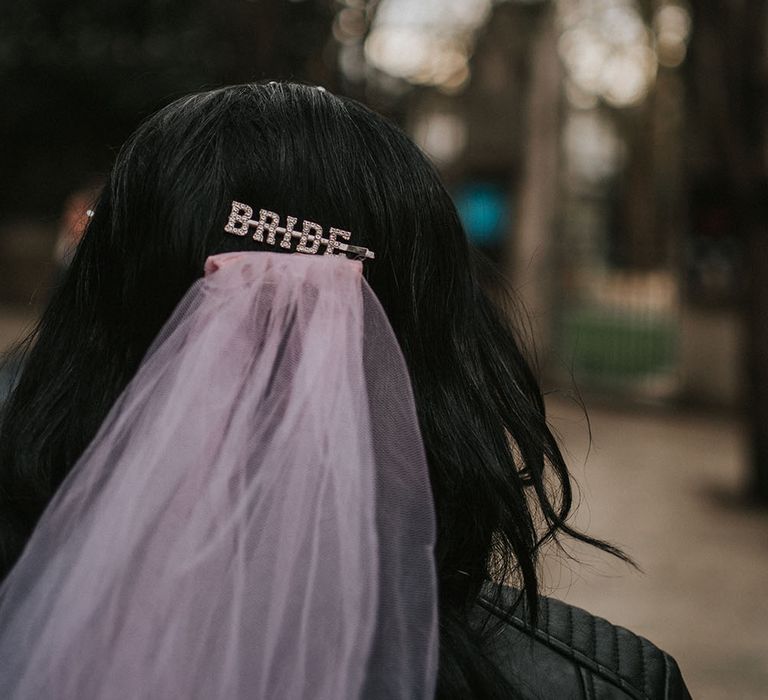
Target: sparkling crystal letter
289, 224
270, 226
318, 234
238, 219
333, 233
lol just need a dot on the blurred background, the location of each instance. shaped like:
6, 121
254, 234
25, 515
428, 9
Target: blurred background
609, 155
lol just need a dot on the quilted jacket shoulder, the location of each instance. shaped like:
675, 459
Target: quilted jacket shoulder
571, 654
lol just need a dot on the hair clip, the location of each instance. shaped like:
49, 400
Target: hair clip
310, 237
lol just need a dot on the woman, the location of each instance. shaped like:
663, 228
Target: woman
500, 485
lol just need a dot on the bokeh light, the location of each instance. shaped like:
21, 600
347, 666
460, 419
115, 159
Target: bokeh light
442, 135
426, 43
611, 54
672, 25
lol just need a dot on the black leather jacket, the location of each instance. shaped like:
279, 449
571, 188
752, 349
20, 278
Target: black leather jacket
573, 655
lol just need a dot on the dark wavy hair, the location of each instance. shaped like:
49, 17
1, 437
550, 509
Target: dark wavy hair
500, 484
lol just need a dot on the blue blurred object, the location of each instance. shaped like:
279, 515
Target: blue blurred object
484, 211
9, 373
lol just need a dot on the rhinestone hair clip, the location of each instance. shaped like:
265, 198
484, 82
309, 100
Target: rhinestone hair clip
267, 228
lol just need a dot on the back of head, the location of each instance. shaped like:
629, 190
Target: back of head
286, 147
299, 150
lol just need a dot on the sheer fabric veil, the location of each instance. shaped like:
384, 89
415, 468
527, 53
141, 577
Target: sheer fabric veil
254, 517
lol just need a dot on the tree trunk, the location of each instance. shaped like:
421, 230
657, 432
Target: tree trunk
532, 256
728, 88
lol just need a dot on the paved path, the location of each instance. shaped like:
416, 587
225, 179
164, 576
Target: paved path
664, 486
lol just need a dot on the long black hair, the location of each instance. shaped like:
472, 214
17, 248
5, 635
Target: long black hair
500, 484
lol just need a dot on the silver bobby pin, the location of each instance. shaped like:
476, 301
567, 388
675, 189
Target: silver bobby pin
269, 230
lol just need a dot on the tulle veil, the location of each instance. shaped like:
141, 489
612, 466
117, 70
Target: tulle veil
254, 517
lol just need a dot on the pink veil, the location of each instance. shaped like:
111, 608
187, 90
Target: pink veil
254, 517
